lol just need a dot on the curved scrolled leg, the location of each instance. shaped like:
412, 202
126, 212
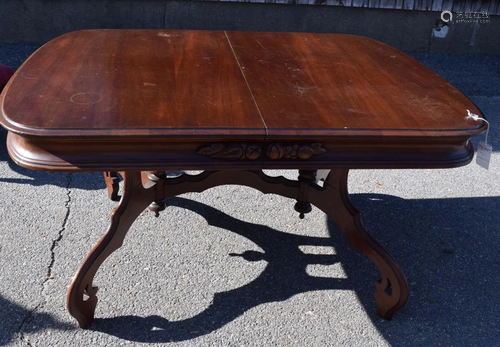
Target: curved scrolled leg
82, 299
392, 290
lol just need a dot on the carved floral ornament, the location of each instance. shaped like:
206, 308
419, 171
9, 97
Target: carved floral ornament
274, 151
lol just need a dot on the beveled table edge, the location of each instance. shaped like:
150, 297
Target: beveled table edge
117, 154
229, 132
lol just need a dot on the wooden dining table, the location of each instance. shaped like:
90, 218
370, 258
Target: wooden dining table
232, 104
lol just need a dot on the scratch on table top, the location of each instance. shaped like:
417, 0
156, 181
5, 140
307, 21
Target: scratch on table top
86, 98
31, 74
156, 53
303, 90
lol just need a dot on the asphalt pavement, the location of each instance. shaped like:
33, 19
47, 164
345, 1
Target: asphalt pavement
232, 267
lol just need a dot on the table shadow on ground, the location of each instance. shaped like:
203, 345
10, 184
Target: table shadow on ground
14, 318
441, 244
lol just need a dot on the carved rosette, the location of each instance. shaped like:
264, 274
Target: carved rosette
295, 151
275, 151
231, 151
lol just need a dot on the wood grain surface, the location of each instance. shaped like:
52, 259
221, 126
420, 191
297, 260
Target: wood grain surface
132, 82
331, 84
112, 100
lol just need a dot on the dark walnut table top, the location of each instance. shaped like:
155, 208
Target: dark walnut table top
110, 100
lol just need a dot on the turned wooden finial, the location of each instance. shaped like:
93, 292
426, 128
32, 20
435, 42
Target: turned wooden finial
158, 204
306, 178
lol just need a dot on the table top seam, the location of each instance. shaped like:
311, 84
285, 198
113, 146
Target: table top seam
245, 78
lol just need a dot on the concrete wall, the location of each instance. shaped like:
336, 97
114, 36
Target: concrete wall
41, 20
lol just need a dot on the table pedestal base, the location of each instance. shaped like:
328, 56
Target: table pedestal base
141, 190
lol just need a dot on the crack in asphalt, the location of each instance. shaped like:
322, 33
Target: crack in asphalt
31, 315
60, 234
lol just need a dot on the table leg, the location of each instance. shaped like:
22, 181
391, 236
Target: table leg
333, 199
392, 290
82, 299
112, 180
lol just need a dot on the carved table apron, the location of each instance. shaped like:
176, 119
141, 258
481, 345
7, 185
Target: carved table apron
141, 102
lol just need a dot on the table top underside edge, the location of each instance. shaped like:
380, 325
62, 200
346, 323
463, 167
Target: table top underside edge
56, 154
